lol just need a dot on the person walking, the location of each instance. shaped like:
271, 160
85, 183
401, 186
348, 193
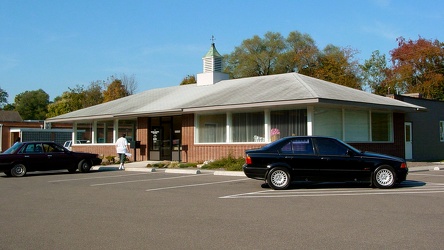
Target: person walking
122, 149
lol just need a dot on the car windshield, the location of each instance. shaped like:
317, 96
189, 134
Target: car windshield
13, 149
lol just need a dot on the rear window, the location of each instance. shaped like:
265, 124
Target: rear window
299, 147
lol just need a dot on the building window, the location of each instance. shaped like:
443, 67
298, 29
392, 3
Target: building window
328, 122
353, 125
441, 131
288, 123
105, 132
127, 127
357, 126
84, 132
212, 128
381, 127
248, 127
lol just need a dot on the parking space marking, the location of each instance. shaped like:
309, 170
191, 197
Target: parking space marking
98, 177
430, 188
194, 185
134, 181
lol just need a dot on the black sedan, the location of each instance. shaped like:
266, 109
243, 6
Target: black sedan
310, 158
25, 157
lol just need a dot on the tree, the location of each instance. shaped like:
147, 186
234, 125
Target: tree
301, 54
337, 65
114, 90
130, 83
189, 79
256, 56
418, 66
32, 105
3, 98
374, 73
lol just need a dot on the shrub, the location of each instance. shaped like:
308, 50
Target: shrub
229, 163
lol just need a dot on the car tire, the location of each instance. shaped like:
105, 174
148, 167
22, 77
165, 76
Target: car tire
84, 166
384, 177
278, 178
18, 170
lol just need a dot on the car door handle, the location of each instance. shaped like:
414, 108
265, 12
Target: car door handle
49, 156
325, 158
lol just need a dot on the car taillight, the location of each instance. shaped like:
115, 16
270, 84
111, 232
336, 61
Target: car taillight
403, 165
248, 159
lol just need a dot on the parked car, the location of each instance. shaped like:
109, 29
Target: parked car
311, 158
25, 157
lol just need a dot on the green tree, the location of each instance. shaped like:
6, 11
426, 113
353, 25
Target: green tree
418, 67
32, 105
189, 79
3, 98
256, 56
114, 90
374, 73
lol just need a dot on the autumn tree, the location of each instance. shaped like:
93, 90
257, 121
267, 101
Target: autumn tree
114, 90
189, 79
336, 64
32, 105
301, 55
418, 67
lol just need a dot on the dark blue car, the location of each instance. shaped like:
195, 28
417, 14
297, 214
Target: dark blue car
25, 157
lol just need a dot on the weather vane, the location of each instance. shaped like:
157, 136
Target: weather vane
212, 39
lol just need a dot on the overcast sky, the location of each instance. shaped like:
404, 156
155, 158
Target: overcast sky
55, 45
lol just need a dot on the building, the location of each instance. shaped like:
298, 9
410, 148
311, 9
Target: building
218, 116
13, 127
424, 130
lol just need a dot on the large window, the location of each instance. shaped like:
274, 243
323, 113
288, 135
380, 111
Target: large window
247, 127
353, 125
84, 131
104, 132
328, 122
357, 125
381, 127
127, 127
212, 128
288, 123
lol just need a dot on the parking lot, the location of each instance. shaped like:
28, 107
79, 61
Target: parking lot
160, 210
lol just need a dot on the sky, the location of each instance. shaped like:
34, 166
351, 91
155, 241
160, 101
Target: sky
55, 45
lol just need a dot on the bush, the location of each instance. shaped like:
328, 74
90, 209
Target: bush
228, 163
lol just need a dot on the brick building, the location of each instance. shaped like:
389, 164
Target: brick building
218, 116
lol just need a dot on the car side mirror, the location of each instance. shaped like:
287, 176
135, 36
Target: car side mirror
350, 153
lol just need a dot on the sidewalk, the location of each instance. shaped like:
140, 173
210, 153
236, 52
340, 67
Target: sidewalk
141, 166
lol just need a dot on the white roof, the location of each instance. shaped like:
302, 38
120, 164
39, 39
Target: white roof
261, 91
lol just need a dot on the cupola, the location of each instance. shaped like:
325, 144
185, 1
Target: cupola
212, 68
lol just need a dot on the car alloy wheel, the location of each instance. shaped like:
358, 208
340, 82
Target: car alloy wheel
278, 178
84, 166
384, 177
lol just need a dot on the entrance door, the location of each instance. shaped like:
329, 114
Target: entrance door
165, 138
408, 140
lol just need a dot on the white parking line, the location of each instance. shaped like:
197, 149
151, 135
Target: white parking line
98, 177
439, 188
194, 185
168, 178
